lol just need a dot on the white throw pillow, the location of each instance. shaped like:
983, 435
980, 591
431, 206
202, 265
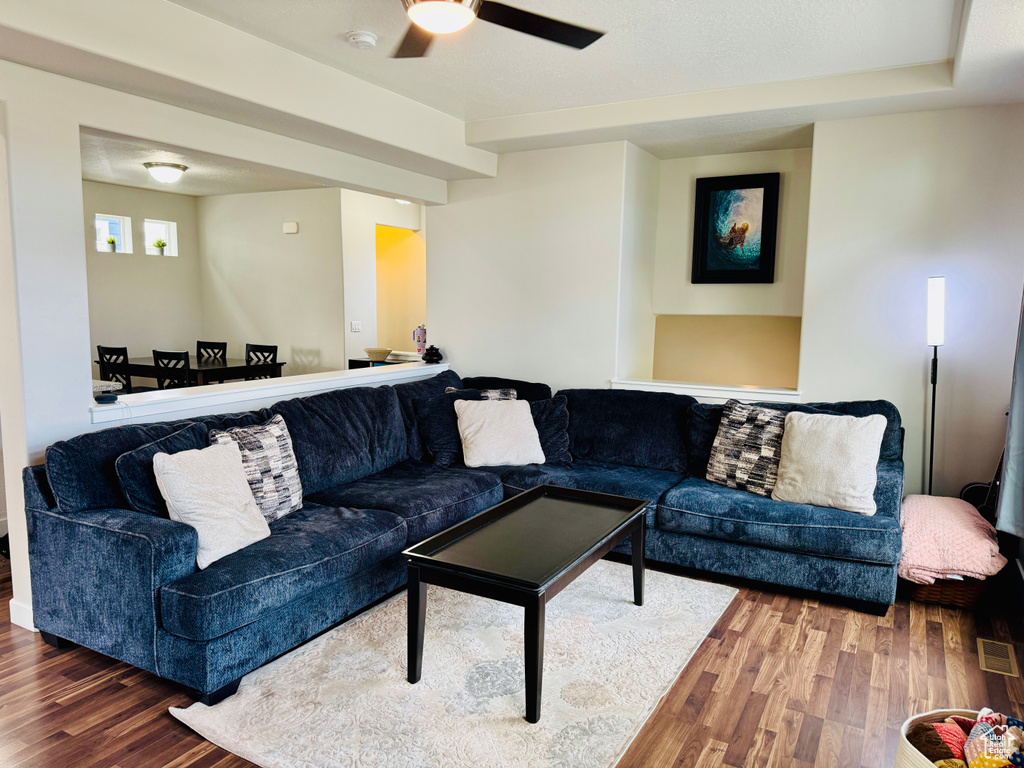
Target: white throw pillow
208, 490
830, 461
498, 432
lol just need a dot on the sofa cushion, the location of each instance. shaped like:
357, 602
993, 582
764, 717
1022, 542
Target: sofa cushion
306, 551
344, 435
135, 468
551, 417
622, 480
429, 498
81, 471
439, 426
704, 420
702, 508
525, 390
640, 429
416, 390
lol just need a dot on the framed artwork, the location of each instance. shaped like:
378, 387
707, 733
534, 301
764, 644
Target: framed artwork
735, 222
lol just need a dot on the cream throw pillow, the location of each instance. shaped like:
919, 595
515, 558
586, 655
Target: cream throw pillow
830, 461
208, 490
498, 432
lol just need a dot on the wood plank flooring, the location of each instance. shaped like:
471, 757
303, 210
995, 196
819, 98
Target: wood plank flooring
782, 680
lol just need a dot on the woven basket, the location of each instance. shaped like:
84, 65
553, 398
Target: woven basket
907, 755
959, 594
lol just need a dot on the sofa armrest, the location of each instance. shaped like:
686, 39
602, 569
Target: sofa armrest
96, 576
889, 488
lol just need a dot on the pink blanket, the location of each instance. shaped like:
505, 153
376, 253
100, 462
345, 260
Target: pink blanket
946, 537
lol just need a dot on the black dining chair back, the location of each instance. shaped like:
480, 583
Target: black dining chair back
173, 369
212, 350
113, 362
260, 354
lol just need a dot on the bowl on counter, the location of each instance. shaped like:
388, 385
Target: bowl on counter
377, 354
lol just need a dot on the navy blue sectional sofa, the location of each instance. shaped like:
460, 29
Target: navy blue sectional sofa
124, 581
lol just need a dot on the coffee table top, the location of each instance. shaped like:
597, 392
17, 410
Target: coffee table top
530, 539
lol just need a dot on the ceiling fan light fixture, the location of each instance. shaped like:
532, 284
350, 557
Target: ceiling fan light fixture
442, 17
166, 173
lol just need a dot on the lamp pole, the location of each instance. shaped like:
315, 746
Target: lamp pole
931, 431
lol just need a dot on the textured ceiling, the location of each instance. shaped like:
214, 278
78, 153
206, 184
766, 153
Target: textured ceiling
653, 47
115, 159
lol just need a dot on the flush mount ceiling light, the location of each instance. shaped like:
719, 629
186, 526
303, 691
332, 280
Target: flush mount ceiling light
403, 202
442, 16
165, 173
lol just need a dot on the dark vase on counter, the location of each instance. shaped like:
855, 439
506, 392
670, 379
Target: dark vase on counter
432, 355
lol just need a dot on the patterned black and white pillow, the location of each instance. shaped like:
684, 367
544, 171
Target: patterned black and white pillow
488, 394
747, 448
270, 466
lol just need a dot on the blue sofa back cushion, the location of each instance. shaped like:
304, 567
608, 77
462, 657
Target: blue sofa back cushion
705, 418
81, 470
439, 426
525, 390
551, 417
639, 429
344, 435
135, 468
416, 390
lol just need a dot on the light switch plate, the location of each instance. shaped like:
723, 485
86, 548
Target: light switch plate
290, 227
356, 326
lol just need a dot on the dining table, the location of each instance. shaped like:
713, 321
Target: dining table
202, 371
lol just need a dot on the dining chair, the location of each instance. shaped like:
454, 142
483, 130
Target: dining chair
260, 354
212, 350
113, 362
173, 369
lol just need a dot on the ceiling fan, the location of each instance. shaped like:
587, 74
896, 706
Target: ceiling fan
441, 17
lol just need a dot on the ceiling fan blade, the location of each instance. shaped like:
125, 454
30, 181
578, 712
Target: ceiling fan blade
538, 26
414, 44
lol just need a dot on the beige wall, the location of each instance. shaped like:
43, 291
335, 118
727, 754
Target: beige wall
673, 292
262, 286
523, 269
401, 286
734, 350
894, 200
138, 301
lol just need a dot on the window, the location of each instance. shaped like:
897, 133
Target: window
117, 227
161, 230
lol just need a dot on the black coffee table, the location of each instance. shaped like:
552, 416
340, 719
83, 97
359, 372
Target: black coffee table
524, 551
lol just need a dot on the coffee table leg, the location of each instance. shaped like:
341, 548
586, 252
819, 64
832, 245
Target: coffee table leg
637, 545
534, 657
417, 620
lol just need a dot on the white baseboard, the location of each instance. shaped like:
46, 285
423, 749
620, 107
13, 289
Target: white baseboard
21, 615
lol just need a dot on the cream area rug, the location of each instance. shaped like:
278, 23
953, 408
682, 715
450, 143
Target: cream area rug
343, 700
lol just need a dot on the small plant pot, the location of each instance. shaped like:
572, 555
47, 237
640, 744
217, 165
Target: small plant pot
111, 247
159, 251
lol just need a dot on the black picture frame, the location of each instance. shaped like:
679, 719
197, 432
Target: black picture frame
711, 259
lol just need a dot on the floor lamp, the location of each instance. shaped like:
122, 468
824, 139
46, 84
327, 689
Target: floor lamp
936, 338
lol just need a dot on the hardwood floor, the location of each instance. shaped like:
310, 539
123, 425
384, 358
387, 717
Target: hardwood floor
781, 681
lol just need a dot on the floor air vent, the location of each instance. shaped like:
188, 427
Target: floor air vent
997, 657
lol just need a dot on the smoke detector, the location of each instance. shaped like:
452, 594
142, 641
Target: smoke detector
361, 39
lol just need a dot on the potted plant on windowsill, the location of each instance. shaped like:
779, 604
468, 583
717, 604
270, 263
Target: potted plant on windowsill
112, 244
159, 245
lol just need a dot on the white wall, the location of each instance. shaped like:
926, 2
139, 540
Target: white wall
894, 200
360, 215
523, 269
635, 342
262, 286
674, 294
138, 301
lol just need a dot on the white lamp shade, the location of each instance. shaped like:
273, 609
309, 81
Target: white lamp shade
165, 173
936, 311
